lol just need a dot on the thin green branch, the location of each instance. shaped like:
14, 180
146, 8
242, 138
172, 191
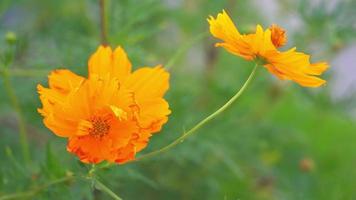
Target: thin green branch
36, 190
99, 185
18, 165
203, 122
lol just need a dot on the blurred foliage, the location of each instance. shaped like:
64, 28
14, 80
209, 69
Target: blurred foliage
280, 141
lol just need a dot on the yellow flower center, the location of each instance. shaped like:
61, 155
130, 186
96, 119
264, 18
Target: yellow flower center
100, 126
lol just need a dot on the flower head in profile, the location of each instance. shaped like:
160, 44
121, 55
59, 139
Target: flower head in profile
262, 46
111, 114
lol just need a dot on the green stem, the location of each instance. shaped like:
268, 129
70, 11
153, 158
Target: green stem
204, 121
103, 23
34, 191
21, 121
105, 189
98, 184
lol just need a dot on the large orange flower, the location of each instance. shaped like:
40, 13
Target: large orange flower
263, 46
111, 114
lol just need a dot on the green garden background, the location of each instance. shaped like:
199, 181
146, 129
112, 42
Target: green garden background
280, 141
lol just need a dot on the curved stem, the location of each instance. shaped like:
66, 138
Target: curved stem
204, 121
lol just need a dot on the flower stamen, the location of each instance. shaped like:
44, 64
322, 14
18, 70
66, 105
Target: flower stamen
100, 127
278, 36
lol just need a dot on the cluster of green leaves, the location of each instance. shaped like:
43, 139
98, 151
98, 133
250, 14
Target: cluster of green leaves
279, 141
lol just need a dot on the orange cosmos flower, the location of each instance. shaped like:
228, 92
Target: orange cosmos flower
263, 46
111, 114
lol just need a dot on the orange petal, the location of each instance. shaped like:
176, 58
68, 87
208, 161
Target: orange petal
61, 126
100, 63
148, 82
316, 68
247, 46
125, 154
275, 71
122, 132
299, 76
121, 64
90, 149
223, 28
64, 80
117, 145
259, 42
296, 66
105, 63
153, 113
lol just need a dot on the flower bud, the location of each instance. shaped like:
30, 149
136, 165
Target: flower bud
306, 165
10, 38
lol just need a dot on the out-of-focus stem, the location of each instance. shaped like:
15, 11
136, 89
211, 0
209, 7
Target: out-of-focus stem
180, 52
105, 189
103, 23
25, 195
203, 122
34, 191
99, 185
30, 73
21, 121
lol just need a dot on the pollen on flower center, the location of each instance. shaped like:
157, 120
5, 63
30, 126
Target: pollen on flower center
100, 127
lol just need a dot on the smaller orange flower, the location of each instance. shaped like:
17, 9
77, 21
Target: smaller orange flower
263, 46
111, 114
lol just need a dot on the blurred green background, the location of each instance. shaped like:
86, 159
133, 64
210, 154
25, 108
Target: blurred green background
279, 141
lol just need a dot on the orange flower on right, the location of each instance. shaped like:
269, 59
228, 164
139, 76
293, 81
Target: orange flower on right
262, 46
